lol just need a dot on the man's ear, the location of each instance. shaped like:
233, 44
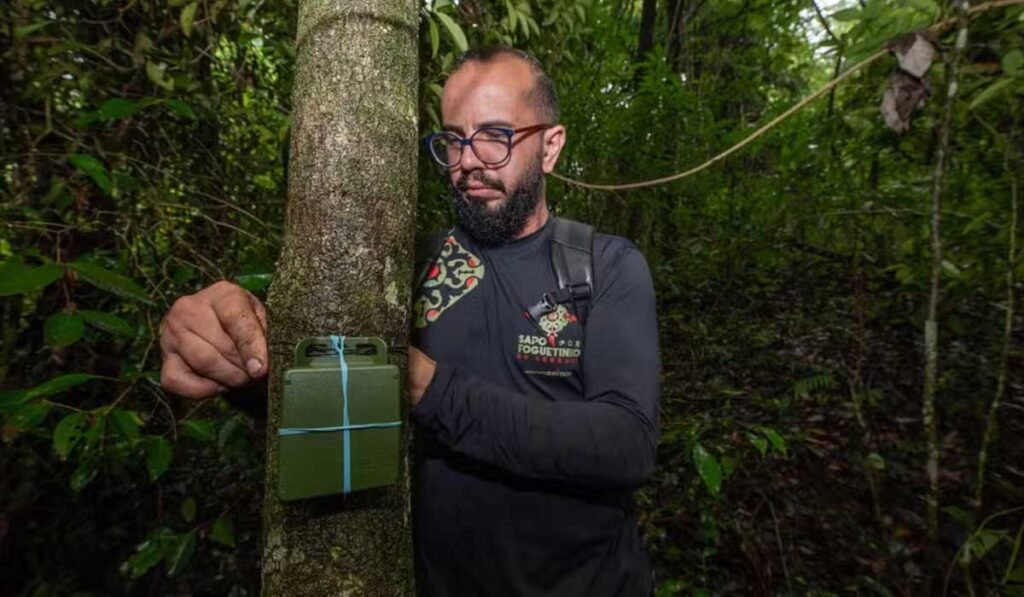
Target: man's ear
554, 140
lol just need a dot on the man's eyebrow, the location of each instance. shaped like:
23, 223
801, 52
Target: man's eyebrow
490, 123
501, 123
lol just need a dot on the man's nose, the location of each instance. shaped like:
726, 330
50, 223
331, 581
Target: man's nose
470, 161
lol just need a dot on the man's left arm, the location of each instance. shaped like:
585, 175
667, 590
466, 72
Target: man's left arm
607, 439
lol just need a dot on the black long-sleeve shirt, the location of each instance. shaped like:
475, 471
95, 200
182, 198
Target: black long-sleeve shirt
531, 436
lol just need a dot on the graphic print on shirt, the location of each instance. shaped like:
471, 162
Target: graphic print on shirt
455, 273
549, 349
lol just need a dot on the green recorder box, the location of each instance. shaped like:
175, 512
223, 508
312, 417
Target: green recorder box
340, 418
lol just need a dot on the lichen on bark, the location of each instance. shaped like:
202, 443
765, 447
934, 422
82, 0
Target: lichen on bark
345, 268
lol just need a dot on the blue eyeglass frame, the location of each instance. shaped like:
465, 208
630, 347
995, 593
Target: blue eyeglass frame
463, 142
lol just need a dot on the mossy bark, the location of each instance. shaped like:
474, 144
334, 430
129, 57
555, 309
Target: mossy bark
345, 268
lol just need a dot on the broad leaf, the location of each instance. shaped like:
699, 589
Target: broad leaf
84, 473
254, 282
1013, 61
454, 30
9, 399
707, 466
199, 429
181, 554
63, 329
435, 38
992, 91
117, 108
59, 384
67, 433
158, 456
188, 509
223, 532
93, 168
111, 282
125, 423
778, 443
181, 108
18, 278
187, 17
24, 418
156, 74
108, 323
149, 553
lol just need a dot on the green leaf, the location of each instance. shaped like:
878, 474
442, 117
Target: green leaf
223, 532
188, 15
117, 108
148, 553
63, 329
158, 76
254, 282
188, 509
67, 433
707, 466
59, 384
180, 555
182, 109
991, 92
778, 443
125, 423
26, 30
93, 168
111, 282
454, 30
202, 430
25, 418
875, 461
84, 473
18, 278
12, 398
1018, 574
158, 456
435, 38
979, 544
759, 442
437, 89
108, 323
847, 15
1013, 61
231, 434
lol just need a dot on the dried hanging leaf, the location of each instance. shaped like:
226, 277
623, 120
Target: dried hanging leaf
904, 94
914, 52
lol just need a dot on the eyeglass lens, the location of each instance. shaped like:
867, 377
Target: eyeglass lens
490, 145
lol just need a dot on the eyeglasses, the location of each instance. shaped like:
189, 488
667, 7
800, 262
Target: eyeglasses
492, 145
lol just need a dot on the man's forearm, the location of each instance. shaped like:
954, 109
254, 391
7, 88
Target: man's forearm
604, 441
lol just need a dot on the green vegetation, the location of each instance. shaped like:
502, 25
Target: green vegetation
142, 155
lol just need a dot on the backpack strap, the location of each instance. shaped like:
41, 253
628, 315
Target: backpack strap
572, 259
428, 248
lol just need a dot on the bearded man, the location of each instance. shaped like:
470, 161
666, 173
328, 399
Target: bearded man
534, 427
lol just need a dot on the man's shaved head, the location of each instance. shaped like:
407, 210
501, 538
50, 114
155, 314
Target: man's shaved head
542, 94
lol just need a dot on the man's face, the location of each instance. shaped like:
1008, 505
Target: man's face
494, 201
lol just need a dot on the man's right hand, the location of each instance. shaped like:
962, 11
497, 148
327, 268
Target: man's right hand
212, 341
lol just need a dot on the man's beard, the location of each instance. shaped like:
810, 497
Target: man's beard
491, 227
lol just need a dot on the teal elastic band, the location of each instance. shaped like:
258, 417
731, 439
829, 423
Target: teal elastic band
346, 433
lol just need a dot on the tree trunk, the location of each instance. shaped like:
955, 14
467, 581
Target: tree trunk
345, 268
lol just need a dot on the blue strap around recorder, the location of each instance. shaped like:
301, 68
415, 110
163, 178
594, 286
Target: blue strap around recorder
338, 342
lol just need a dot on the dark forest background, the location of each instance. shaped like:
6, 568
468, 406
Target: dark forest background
141, 158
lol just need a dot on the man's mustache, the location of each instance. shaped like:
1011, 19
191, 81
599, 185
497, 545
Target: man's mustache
478, 178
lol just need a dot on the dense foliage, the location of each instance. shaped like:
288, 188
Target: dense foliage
142, 155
